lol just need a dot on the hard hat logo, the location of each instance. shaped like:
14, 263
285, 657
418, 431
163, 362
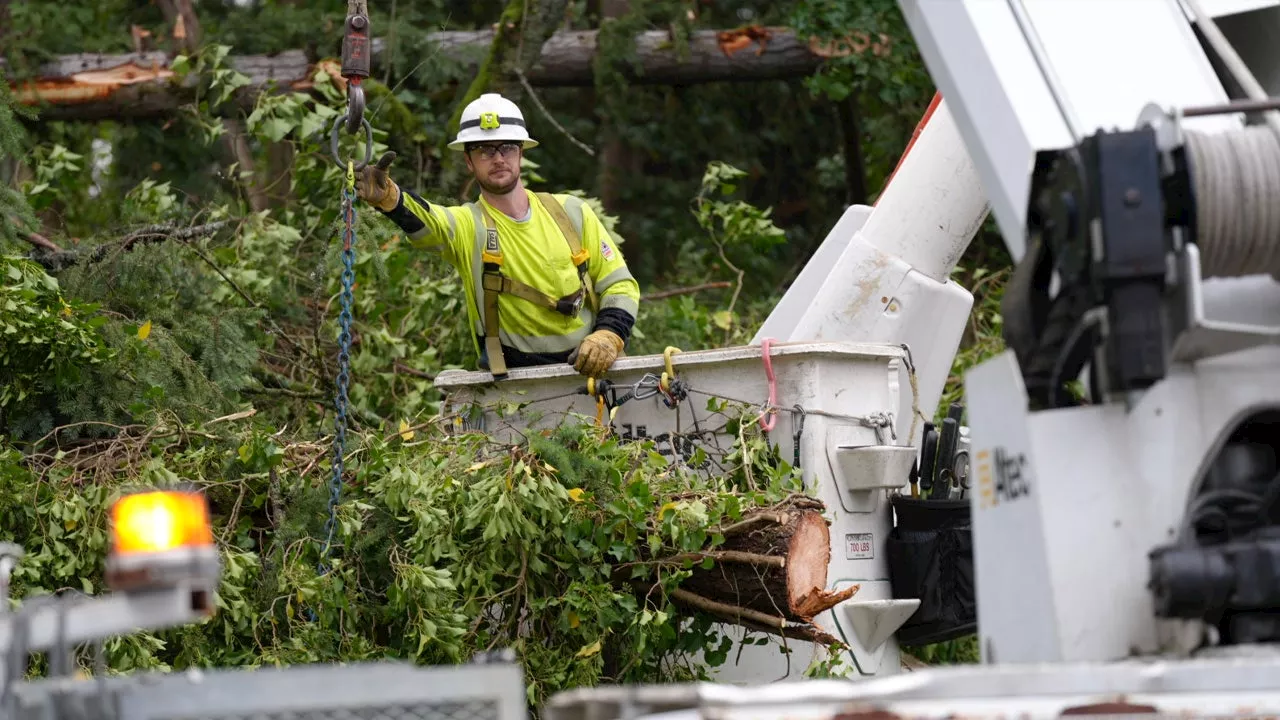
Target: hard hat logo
489, 118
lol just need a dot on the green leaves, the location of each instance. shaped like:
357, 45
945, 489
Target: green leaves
45, 340
276, 117
443, 546
733, 223
721, 176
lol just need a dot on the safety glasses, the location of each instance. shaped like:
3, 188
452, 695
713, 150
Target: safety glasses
486, 152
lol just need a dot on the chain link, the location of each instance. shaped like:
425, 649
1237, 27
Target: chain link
344, 366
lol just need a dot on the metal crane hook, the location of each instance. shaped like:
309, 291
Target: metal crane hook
356, 51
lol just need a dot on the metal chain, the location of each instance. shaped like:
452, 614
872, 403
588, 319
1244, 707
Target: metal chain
344, 361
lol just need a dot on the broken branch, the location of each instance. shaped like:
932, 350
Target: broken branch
38, 240
55, 261
732, 612
733, 556
753, 522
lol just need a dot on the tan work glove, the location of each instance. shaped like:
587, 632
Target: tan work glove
375, 186
596, 353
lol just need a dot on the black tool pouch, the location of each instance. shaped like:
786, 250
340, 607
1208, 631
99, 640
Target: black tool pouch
930, 555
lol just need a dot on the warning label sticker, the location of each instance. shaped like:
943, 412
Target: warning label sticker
859, 546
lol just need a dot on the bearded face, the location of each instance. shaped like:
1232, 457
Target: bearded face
496, 166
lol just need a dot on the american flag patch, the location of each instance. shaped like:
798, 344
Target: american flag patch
605, 251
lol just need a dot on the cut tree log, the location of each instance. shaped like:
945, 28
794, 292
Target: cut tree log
93, 86
141, 85
769, 574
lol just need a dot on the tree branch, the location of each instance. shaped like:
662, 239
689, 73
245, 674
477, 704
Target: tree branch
403, 369
755, 520
726, 610
755, 620
59, 260
524, 82
719, 284
37, 239
734, 556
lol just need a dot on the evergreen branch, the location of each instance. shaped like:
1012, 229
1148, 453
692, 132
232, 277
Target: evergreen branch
239, 290
164, 231
247, 298
57, 260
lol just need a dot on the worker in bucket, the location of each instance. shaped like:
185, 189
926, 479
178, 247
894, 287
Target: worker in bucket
544, 281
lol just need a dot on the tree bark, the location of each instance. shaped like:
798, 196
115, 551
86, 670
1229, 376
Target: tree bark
855, 171
235, 142
615, 155
770, 573
93, 86
141, 85
181, 17
278, 181
4, 19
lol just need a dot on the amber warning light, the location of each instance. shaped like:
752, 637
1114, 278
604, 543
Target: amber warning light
159, 521
160, 538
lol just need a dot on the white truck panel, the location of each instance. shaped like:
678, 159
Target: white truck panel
1112, 57
1061, 536
1199, 688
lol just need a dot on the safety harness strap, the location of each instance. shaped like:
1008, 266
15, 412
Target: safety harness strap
570, 305
494, 283
570, 233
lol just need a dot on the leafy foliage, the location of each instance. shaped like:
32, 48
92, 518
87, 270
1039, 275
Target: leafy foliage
46, 340
446, 545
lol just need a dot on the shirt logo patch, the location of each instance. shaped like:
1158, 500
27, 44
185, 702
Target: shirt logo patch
605, 250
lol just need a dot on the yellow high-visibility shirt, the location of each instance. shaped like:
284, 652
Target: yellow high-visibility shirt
534, 252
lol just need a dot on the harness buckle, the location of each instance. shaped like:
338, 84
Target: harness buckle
570, 305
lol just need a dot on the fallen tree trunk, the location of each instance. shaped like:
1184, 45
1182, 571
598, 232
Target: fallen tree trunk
770, 574
92, 86
140, 85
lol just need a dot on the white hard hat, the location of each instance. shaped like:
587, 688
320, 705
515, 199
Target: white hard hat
491, 117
